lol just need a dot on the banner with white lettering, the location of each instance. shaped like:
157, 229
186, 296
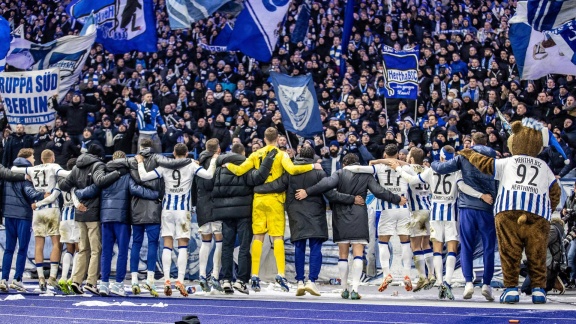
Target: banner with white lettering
26, 97
400, 73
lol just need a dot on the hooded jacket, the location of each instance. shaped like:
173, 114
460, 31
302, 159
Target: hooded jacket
307, 218
88, 170
19, 194
202, 192
115, 199
474, 178
232, 196
350, 222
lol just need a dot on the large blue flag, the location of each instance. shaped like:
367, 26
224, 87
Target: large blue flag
123, 25
183, 13
543, 40
346, 33
297, 103
5, 39
257, 28
400, 73
301, 27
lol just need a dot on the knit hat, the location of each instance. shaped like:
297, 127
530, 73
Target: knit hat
352, 133
453, 129
410, 120
335, 143
310, 142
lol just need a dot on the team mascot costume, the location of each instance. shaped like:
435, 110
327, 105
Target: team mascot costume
527, 194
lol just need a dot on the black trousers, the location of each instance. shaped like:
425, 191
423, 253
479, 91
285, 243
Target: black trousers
230, 228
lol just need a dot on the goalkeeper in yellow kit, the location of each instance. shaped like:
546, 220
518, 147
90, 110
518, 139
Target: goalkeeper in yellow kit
268, 209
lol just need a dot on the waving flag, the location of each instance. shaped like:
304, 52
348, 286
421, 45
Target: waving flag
68, 53
544, 39
400, 73
183, 13
123, 25
301, 27
346, 33
5, 39
297, 103
220, 44
256, 30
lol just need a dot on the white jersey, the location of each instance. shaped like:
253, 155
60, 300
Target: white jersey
444, 194
68, 210
419, 193
524, 185
177, 183
44, 178
392, 180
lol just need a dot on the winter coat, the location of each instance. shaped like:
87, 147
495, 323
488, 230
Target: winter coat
145, 211
555, 160
115, 199
307, 218
221, 132
473, 177
350, 222
13, 145
232, 196
76, 115
202, 192
88, 170
19, 195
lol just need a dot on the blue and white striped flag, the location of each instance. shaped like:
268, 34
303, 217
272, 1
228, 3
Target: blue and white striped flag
5, 39
297, 103
538, 49
182, 13
257, 28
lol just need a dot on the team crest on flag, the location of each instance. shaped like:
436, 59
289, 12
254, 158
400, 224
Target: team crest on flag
298, 104
400, 73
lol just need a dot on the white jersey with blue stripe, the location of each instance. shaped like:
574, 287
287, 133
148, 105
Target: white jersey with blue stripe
45, 179
419, 193
444, 194
392, 180
68, 210
178, 185
524, 184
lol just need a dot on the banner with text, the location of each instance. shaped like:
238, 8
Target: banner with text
400, 73
27, 96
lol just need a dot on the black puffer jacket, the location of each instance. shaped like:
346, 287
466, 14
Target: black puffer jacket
88, 170
202, 192
307, 217
146, 211
232, 196
350, 222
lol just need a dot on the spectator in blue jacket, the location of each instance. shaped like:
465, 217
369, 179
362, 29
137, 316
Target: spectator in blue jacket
114, 216
149, 118
475, 214
19, 195
458, 66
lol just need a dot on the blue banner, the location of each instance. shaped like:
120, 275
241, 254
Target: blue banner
5, 39
297, 103
400, 73
183, 13
301, 27
257, 28
123, 25
346, 33
220, 44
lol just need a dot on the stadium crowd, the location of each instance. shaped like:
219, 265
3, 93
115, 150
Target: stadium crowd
467, 72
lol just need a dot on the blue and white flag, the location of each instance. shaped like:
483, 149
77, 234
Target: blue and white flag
400, 73
123, 25
257, 28
298, 104
220, 44
68, 53
547, 51
183, 13
550, 14
5, 40
302, 21
346, 34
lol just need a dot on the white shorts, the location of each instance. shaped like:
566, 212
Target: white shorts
363, 242
46, 222
394, 221
211, 228
420, 223
176, 223
69, 231
444, 231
